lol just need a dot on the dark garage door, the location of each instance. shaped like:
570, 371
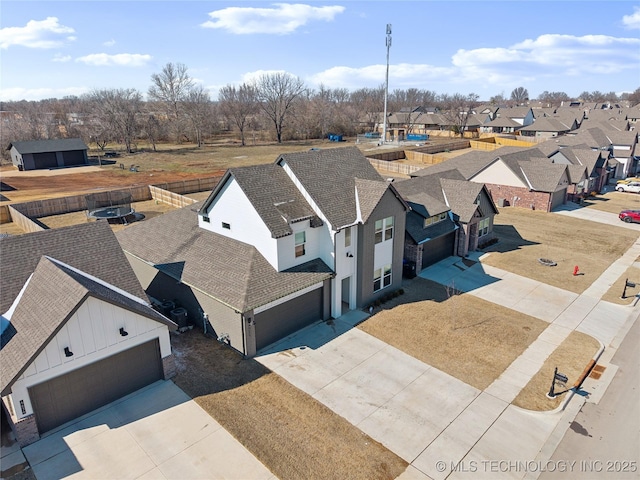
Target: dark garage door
78, 392
438, 249
45, 160
281, 320
75, 157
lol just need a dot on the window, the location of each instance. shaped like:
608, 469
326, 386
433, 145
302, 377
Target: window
205, 219
301, 239
226, 226
384, 229
388, 228
382, 278
347, 237
378, 235
483, 227
435, 219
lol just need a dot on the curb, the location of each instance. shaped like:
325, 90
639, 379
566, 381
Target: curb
581, 379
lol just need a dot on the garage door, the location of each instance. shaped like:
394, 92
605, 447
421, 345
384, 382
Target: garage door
78, 392
45, 160
438, 249
558, 198
75, 157
281, 320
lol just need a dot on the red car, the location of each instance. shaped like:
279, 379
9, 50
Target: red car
629, 216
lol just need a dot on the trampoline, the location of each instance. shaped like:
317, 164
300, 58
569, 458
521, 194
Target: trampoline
115, 207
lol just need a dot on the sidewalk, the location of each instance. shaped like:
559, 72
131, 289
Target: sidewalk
490, 429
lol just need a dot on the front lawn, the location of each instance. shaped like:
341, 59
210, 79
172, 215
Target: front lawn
527, 235
460, 334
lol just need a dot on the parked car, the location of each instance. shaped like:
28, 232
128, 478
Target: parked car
628, 180
628, 187
629, 216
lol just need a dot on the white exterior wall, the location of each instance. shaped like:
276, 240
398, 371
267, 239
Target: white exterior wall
345, 266
92, 334
233, 207
318, 245
499, 174
383, 253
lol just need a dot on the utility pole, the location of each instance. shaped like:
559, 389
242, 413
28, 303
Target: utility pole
386, 86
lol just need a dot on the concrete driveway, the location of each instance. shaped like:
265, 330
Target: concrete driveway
396, 399
584, 213
155, 433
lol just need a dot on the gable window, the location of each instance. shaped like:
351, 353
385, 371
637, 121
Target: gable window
434, 219
226, 226
347, 237
382, 278
300, 241
483, 227
384, 229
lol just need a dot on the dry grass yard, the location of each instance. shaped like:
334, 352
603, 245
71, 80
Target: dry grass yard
571, 358
287, 430
527, 235
614, 202
614, 294
462, 335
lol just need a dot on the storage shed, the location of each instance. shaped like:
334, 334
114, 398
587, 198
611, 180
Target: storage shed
45, 154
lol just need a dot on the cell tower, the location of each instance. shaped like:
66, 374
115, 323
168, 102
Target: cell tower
386, 86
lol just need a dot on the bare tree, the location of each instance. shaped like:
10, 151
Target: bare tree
634, 98
171, 87
456, 110
553, 99
199, 110
238, 105
119, 110
277, 93
520, 95
369, 103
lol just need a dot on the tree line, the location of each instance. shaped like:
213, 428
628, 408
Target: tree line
276, 106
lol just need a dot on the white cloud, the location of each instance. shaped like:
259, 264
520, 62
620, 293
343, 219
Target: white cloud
253, 77
18, 93
61, 58
550, 54
119, 60
400, 75
632, 21
282, 19
109, 43
48, 33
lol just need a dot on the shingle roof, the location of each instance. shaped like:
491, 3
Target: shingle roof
414, 227
461, 196
547, 124
328, 176
274, 196
228, 270
90, 247
50, 296
54, 145
543, 177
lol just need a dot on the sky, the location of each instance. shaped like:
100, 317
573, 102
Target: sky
53, 49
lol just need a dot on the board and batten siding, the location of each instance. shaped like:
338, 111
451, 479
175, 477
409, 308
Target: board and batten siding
92, 334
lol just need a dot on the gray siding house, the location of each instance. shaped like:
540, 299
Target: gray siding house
44, 154
276, 247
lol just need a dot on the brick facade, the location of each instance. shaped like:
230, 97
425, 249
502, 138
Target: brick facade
24, 429
169, 366
413, 253
519, 197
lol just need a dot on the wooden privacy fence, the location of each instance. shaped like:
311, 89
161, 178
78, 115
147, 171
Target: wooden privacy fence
25, 214
394, 167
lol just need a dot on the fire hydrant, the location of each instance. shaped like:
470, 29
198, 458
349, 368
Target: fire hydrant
575, 270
